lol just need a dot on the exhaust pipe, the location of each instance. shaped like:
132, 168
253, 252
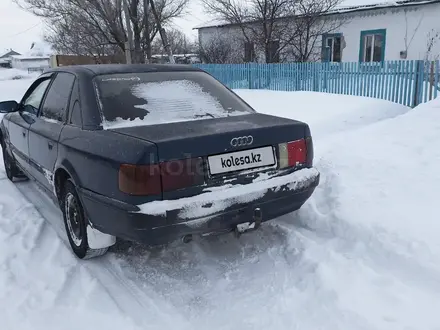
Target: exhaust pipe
187, 238
258, 217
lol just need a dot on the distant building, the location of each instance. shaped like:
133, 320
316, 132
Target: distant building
387, 30
37, 58
5, 58
30, 63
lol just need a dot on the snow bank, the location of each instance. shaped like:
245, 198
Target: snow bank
16, 74
325, 113
14, 89
372, 225
393, 165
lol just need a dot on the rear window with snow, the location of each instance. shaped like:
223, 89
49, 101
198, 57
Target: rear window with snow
151, 98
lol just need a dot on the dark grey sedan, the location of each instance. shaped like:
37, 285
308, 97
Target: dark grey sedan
153, 153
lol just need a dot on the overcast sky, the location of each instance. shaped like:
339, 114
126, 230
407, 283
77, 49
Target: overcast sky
18, 28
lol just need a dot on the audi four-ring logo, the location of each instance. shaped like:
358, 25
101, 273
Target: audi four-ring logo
242, 141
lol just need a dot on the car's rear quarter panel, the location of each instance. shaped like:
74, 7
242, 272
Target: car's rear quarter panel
93, 158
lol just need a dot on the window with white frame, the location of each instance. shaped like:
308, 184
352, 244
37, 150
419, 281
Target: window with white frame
332, 48
372, 46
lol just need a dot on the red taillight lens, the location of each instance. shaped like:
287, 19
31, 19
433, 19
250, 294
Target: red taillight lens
293, 153
180, 174
140, 179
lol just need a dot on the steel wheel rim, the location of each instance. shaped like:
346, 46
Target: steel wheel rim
73, 219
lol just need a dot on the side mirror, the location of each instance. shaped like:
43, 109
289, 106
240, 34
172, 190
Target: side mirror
8, 106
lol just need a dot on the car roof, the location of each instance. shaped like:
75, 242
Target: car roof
101, 69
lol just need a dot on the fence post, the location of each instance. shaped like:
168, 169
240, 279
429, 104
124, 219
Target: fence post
431, 79
316, 71
416, 85
249, 74
436, 78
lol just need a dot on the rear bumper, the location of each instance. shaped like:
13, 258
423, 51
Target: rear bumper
161, 222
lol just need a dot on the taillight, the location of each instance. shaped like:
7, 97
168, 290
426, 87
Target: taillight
180, 174
140, 179
293, 153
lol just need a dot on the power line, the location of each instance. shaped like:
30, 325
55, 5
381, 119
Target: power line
17, 34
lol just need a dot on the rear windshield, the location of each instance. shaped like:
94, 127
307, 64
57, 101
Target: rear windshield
133, 99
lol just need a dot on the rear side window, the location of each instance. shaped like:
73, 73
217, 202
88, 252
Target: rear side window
57, 100
164, 97
75, 107
76, 118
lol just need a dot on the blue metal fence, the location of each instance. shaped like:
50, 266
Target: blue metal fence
405, 82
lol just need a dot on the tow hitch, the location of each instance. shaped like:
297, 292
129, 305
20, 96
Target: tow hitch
250, 226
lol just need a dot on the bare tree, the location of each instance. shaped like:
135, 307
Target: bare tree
179, 42
259, 22
433, 39
409, 39
85, 27
312, 21
278, 26
219, 49
75, 33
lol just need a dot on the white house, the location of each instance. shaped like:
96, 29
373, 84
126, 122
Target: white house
5, 58
25, 62
37, 58
407, 29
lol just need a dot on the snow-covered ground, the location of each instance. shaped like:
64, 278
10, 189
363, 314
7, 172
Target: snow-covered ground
363, 253
15, 74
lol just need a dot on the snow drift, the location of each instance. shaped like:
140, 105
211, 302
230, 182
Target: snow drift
326, 113
16, 74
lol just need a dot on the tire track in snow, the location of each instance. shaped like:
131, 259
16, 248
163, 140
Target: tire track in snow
127, 296
247, 279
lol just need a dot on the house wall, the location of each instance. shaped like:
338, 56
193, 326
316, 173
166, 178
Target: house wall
396, 21
25, 64
418, 21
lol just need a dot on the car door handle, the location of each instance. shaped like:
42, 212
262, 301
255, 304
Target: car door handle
24, 134
50, 145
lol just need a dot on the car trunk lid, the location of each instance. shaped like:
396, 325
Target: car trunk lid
225, 150
211, 137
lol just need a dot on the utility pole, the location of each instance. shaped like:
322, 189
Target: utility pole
147, 29
129, 42
162, 32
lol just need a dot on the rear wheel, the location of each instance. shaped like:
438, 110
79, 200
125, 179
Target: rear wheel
10, 166
76, 223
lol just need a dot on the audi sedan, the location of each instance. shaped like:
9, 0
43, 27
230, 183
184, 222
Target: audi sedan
153, 153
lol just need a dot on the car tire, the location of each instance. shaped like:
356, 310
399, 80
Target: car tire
76, 223
10, 165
